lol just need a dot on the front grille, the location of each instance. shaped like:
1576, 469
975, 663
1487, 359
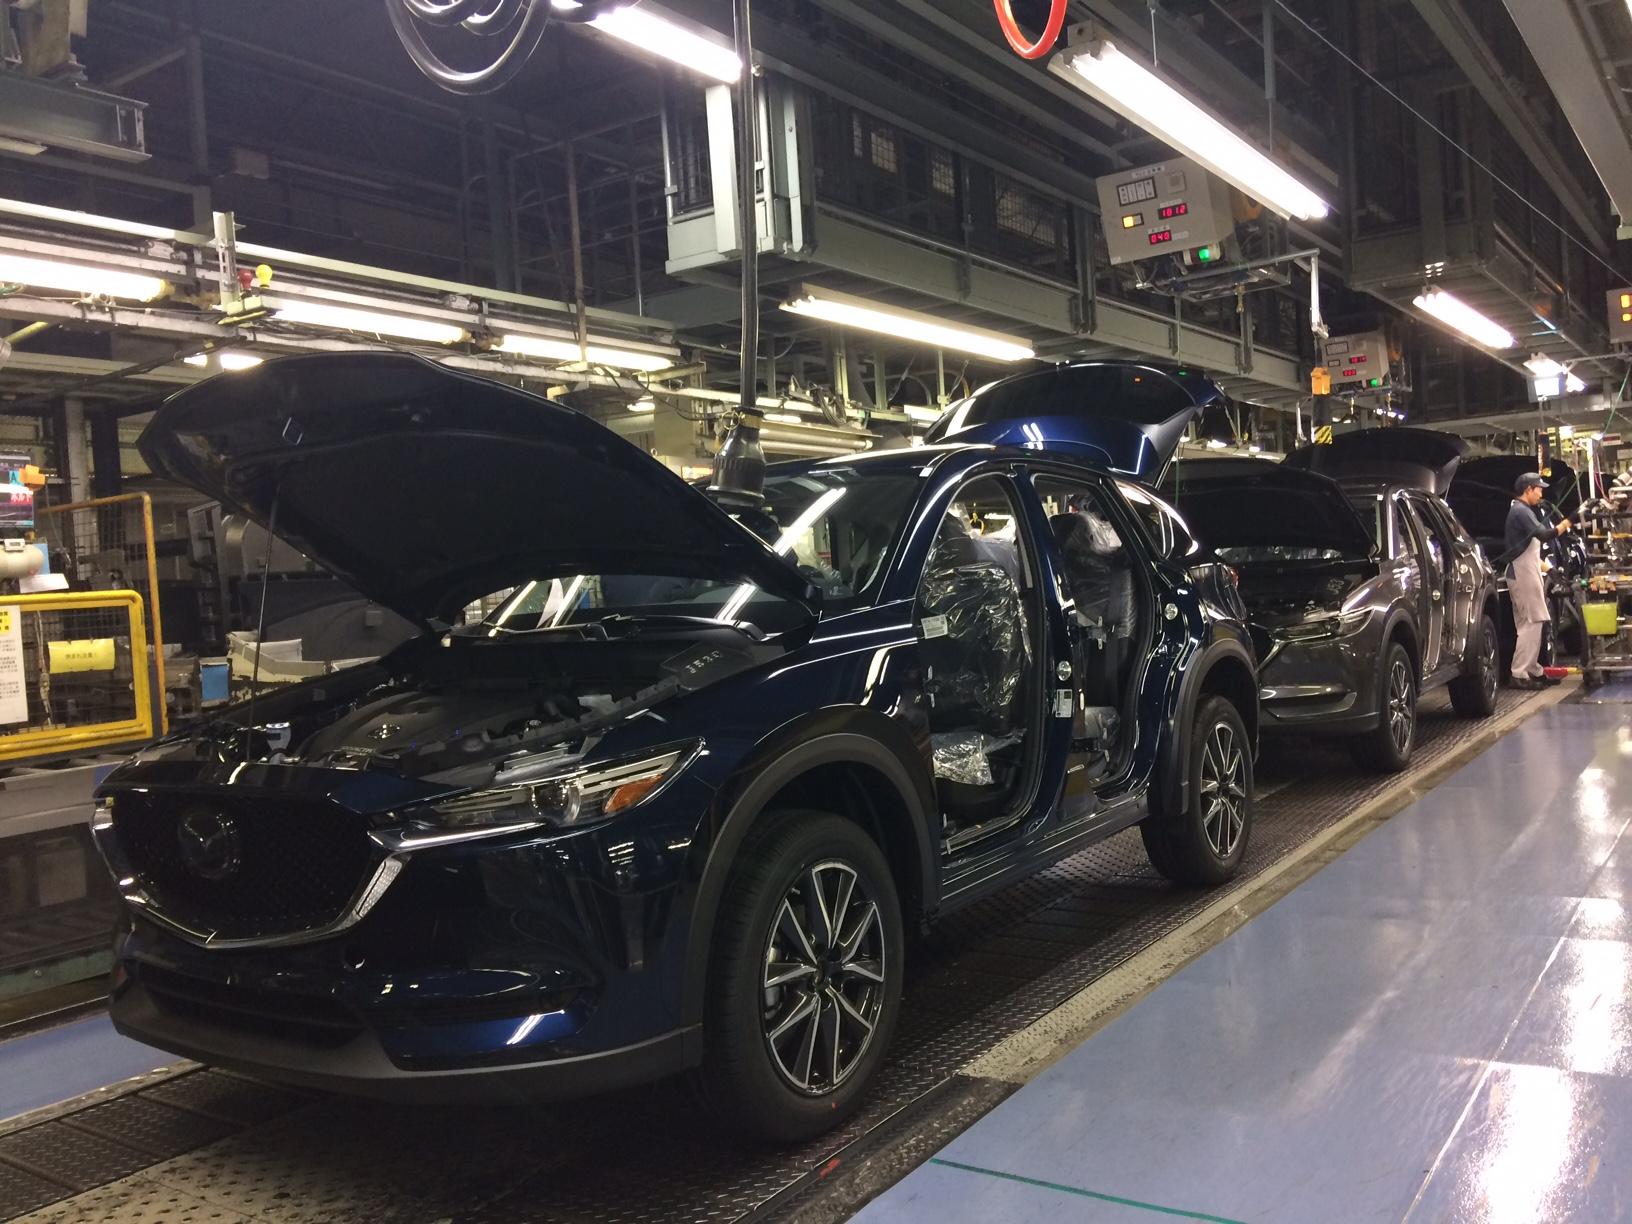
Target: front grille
247, 868
309, 1019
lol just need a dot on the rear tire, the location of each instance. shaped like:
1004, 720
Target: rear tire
1473, 695
1204, 841
804, 980
1387, 748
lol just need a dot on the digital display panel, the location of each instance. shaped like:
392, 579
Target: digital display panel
1161, 236
1173, 210
1135, 192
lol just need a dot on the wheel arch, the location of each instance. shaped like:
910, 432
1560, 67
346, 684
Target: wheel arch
853, 762
1226, 669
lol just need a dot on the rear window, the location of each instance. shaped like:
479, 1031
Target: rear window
1269, 524
1142, 396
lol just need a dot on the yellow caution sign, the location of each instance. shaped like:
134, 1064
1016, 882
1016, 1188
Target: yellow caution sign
1323, 435
87, 654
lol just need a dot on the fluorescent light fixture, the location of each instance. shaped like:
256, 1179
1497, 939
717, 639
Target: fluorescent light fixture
843, 310
649, 31
1566, 431
349, 318
79, 278
919, 413
239, 361
1217, 444
784, 418
1459, 316
1547, 368
1100, 69
644, 405
197, 359
566, 352
1255, 450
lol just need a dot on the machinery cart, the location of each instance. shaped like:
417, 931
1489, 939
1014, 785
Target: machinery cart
1607, 610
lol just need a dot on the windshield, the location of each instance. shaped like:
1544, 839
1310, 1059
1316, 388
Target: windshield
1272, 524
837, 524
1369, 506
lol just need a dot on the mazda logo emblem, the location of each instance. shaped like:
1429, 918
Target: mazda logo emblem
210, 845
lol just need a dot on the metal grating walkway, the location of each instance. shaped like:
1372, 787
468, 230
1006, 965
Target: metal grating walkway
213, 1146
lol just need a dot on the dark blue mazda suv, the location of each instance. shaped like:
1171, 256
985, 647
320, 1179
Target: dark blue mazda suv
672, 803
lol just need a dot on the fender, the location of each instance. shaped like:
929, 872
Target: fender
1399, 617
1175, 763
847, 735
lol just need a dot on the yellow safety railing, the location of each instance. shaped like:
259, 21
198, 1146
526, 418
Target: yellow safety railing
106, 543
74, 673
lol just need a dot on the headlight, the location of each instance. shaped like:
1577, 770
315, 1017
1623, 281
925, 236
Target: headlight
567, 800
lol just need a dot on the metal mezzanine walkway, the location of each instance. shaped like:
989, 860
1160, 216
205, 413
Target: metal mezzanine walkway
201, 1145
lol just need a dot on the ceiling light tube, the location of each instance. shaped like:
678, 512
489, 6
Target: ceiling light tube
566, 352
918, 412
239, 361
843, 310
349, 318
1100, 69
1459, 316
1546, 367
79, 278
644, 405
647, 30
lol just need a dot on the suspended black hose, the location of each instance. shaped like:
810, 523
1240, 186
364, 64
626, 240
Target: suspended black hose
523, 21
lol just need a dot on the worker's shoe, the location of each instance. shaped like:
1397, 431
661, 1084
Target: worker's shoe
1528, 682
1550, 681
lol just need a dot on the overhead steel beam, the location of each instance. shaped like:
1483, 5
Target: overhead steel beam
1562, 44
64, 116
1461, 37
845, 246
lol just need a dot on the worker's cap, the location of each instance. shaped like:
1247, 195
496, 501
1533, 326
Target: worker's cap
1530, 480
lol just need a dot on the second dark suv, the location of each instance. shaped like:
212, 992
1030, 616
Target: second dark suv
1355, 614
674, 805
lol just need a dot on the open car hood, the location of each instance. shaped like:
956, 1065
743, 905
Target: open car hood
427, 488
1421, 458
1123, 415
1256, 503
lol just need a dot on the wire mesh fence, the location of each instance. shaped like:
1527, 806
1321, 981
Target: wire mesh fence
74, 673
106, 544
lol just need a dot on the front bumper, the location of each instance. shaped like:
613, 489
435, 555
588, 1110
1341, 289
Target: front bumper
1319, 687
360, 1066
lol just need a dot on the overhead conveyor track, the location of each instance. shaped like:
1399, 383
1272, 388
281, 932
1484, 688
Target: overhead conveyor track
204, 1144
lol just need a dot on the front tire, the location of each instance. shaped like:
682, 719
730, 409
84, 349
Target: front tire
1204, 841
804, 981
1387, 748
1474, 695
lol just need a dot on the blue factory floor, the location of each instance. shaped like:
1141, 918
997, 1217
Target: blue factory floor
1435, 1027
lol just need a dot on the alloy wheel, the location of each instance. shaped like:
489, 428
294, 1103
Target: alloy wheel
1490, 662
1223, 791
1402, 714
824, 978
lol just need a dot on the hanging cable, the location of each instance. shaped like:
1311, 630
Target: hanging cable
1017, 38
524, 21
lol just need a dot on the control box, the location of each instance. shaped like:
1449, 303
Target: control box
1358, 363
1165, 209
1620, 315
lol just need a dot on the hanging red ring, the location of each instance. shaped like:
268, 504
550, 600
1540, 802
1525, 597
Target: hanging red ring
1017, 37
